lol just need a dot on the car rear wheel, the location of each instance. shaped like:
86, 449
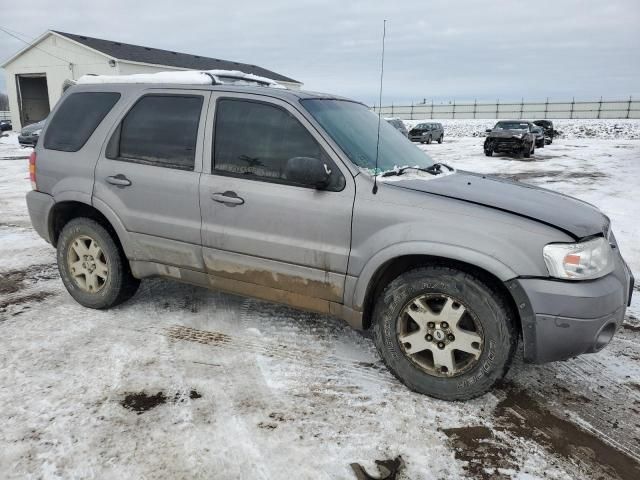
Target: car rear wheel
441, 139
92, 267
444, 333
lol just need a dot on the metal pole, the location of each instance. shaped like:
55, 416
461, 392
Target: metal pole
599, 107
573, 101
497, 108
454, 108
411, 116
431, 117
521, 107
475, 106
546, 107
629, 107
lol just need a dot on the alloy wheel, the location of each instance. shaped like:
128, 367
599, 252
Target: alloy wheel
87, 264
440, 335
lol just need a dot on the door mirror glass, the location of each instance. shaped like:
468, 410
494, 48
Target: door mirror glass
488, 130
307, 171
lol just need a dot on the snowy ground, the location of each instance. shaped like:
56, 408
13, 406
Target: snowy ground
246, 389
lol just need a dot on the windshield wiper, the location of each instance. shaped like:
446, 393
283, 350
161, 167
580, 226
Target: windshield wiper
435, 169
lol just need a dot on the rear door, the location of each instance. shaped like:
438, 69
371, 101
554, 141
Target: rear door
263, 235
148, 175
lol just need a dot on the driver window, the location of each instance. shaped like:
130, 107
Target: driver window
255, 140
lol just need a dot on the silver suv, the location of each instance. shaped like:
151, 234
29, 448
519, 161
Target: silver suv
285, 196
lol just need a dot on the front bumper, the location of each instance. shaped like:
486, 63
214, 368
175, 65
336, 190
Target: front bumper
505, 145
39, 205
563, 319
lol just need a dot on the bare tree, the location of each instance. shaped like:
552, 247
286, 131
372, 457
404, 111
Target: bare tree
4, 101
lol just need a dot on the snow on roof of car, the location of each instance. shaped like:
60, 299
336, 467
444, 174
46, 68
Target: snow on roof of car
189, 77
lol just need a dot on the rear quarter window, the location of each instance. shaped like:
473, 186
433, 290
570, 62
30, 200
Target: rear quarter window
77, 118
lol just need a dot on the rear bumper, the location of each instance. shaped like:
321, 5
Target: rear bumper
28, 140
39, 205
562, 319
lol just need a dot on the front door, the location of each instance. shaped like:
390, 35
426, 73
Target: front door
263, 235
150, 172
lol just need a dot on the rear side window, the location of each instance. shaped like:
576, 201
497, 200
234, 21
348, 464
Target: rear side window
77, 118
160, 130
255, 140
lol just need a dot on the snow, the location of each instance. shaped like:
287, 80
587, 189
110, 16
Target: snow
189, 77
10, 148
286, 394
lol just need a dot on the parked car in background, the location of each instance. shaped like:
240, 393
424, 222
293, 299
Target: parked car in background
5, 125
398, 125
539, 134
549, 131
510, 136
29, 135
309, 200
427, 133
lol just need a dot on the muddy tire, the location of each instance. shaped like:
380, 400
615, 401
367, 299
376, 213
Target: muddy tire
488, 152
478, 346
93, 269
441, 138
529, 151
429, 141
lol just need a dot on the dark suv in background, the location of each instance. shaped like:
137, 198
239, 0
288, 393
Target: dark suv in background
427, 133
549, 131
511, 136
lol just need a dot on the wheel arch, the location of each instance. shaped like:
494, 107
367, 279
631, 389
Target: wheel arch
63, 212
494, 274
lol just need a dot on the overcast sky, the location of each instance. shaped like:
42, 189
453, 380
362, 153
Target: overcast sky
435, 49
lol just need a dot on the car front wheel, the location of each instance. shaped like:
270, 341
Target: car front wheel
444, 333
93, 269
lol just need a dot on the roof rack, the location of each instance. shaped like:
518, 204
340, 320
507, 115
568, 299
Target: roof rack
193, 77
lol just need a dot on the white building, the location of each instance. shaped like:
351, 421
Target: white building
36, 75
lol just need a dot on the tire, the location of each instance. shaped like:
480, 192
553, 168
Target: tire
487, 308
441, 139
529, 151
429, 141
115, 285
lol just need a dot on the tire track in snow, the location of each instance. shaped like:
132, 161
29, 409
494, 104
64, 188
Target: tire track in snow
364, 370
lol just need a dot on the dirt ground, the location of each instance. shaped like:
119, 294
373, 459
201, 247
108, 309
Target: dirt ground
181, 382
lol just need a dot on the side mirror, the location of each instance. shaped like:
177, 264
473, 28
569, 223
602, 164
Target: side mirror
488, 130
307, 171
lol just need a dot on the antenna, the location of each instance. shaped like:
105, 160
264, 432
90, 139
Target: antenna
375, 172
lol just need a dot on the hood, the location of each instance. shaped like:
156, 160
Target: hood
33, 127
507, 133
575, 217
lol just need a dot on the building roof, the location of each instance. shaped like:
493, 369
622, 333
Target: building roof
155, 56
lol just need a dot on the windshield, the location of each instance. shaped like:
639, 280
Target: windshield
355, 129
512, 125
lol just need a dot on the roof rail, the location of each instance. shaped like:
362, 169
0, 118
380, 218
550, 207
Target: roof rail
193, 77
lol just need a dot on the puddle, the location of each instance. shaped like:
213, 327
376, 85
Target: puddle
17, 300
142, 402
388, 470
486, 456
522, 416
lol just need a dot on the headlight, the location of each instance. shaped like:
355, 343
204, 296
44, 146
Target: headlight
37, 132
579, 261
424, 133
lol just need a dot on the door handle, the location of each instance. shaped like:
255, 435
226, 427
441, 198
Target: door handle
119, 180
231, 199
